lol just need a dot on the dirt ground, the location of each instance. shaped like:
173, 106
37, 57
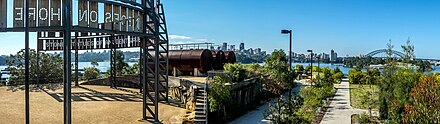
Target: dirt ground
90, 105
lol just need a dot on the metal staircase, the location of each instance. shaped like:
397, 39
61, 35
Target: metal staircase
201, 110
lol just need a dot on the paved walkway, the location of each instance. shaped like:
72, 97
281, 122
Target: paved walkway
340, 111
256, 116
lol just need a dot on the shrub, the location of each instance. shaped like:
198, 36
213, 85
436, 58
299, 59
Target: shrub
91, 73
238, 71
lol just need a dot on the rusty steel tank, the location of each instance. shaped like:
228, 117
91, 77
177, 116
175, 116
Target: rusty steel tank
187, 60
230, 57
219, 59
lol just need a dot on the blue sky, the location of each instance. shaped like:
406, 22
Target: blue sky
350, 27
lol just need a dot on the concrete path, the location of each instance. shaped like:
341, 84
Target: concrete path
256, 116
340, 110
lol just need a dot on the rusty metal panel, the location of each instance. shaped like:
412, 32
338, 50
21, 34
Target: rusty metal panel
140, 21
187, 60
93, 11
130, 20
123, 19
55, 13
107, 42
135, 21
230, 56
18, 18
116, 18
108, 20
83, 13
3, 14
90, 43
43, 13
33, 13
100, 43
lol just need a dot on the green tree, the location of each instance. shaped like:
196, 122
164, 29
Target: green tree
355, 76
238, 71
284, 111
277, 55
426, 101
313, 97
299, 69
90, 73
386, 84
120, 63
281, 77
253, 69
219, 94
409, 52
48, 70
94, 63
134, 69
326, 78
337, 75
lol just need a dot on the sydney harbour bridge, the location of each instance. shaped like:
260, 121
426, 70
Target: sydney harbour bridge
376, 53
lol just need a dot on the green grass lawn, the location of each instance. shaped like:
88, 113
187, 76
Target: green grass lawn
357, 92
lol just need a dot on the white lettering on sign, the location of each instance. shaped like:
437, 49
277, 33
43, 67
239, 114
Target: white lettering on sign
108, 17
93, 16
19, 14
42, 16
32, 13
82, 15
54, 13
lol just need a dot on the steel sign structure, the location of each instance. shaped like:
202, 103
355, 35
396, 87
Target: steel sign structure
124, 24
3, 14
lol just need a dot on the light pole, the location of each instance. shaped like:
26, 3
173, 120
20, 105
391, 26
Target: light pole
290, 59
319, 69
290, 46
311, 65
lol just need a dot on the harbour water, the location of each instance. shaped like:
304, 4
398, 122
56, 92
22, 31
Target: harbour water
104, 66
344, 69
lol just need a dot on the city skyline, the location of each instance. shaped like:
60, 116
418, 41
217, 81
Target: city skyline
320, 26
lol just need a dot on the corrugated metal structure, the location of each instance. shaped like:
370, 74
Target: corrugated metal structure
230, 57
187, 60
219, 59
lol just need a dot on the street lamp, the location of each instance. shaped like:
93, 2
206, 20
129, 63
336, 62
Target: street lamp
290, 56
311, 65
319, 69
290, 46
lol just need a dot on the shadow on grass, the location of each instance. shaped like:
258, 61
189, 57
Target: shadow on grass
35, 88
95, 95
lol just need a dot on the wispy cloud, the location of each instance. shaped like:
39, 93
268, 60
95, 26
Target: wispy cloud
182, 42
178, 37
201, 40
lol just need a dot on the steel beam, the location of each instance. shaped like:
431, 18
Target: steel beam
67, 23
76, 60
26, 61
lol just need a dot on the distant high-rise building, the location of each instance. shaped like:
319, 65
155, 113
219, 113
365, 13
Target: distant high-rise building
224, 46
333, 56
232, 47
251, 51
241, 46
325, 57
257, 50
